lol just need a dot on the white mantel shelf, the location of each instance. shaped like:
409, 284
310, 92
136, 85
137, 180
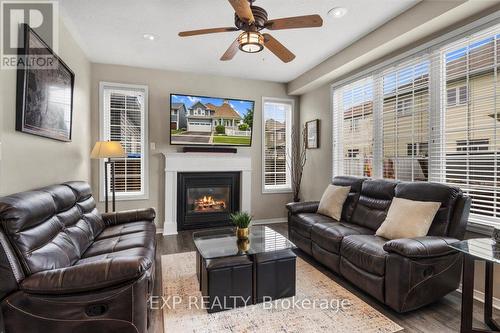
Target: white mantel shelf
202, 162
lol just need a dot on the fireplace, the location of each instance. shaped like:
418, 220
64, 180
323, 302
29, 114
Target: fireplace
206, 199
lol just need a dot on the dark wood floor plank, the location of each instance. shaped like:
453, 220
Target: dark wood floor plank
440, 317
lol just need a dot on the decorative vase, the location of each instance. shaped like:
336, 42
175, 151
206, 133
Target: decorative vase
242, 233
243, 245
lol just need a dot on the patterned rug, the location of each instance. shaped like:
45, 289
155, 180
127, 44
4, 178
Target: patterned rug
335, 309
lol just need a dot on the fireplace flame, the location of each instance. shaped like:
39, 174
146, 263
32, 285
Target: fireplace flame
209, 203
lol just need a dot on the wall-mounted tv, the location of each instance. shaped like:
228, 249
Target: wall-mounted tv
210, 121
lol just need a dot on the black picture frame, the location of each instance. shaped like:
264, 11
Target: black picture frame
199, 145
36, 113
312, 134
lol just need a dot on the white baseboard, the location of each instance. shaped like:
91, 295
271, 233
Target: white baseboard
159, 230
479, 296
270, 221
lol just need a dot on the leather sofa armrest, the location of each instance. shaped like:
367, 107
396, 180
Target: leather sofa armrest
127, 216
86, 277
421, 247
303, 207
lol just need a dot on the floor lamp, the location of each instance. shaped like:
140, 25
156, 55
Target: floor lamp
108, 150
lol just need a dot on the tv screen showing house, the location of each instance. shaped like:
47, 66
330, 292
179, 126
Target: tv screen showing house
200, 120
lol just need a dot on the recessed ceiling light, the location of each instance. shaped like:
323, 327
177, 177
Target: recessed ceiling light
149, 36
337, 12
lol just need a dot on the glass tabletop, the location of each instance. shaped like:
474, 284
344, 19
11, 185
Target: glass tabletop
483, 248
217, 243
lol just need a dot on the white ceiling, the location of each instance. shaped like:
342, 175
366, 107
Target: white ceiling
111, 31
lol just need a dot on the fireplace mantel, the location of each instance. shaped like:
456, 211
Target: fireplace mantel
199, 162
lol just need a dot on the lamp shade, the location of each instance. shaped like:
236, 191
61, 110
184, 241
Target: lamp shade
107, 149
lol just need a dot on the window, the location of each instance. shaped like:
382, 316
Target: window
471, 132
456, 96
473, 145
123, 113
405, 119
404, 107
434, 116
353, 127
276, 141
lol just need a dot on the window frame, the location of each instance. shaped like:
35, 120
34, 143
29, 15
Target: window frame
125, 86
270, 189
438, 103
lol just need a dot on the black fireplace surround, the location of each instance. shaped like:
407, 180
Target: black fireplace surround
206, 199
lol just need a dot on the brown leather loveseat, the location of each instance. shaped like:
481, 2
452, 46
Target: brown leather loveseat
64, 267
404, 274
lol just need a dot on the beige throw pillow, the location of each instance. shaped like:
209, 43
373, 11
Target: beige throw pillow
408, 219
332, 201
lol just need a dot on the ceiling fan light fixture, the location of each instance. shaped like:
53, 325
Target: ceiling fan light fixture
251, 41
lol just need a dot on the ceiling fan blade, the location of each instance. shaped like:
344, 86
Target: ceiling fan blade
231, 51
206, 31
277, 48
307, 21
243, 10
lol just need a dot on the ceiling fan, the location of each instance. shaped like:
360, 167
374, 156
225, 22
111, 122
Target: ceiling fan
251, 20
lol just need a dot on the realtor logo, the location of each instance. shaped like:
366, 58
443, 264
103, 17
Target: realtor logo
41, 16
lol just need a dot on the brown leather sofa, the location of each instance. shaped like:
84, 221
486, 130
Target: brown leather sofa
404, 274
64, 267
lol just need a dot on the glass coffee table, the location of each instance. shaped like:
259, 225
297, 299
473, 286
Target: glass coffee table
235, 273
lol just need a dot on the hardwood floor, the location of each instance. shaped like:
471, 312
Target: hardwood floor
442, 316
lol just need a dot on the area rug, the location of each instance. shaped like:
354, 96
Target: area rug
335, 309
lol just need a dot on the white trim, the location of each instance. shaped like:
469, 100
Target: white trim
479, 296
270, 221
125, 86
159, 230
289, 125
199, 162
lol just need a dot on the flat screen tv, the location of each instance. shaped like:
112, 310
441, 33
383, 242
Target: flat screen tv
210, 121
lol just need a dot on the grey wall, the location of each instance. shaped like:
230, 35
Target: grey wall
30, 161
318, 169
161, 83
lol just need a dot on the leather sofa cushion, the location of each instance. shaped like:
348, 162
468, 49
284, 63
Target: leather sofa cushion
329, 235
374, 201
425, 191
86, 277
50, 228
302, 223
119, 243
145, 251
366, 252
125, 229
352, 199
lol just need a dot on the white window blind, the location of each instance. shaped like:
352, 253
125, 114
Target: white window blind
405, 120
124, 117
353, 128
470, 143
277, 125
434, 116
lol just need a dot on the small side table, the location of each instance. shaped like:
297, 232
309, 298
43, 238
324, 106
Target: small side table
477, 249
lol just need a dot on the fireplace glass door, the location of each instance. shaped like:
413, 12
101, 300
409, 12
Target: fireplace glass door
206, 199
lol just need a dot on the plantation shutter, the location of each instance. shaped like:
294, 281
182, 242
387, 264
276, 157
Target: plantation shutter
353, 129
470, 143
124, 121
405, 110
277, 118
